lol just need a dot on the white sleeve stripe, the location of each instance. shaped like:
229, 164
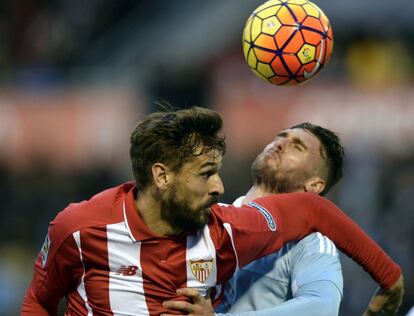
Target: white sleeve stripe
321, 242
331, 247
227, 226
334, 252
328, 245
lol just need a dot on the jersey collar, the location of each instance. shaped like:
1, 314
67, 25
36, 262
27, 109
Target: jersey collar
137, 229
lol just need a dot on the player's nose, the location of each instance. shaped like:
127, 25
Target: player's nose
216, 186
280, 144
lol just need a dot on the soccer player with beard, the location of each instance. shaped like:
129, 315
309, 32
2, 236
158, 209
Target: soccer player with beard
127, 249
304, 277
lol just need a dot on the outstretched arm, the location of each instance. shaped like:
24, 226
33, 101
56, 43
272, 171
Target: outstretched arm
295, 215
325, 217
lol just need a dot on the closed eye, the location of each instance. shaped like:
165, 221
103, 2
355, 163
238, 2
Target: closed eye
298, 147
299, 144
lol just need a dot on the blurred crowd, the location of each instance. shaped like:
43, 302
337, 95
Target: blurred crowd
147, 47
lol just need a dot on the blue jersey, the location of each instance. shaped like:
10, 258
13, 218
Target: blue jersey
304, 275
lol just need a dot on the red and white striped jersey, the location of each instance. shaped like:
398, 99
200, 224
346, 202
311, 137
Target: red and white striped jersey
106, 261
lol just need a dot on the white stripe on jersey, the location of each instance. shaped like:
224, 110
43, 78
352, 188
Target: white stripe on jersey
201, 247
321, 243
126, 287
326, 245
334, 252
126, 222
81, 288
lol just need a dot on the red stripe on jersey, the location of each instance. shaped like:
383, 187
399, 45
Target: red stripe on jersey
163, 271
226, 259
95, 259
76, 305
225, 256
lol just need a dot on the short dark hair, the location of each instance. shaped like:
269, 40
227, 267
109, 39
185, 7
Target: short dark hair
173, 137
332, 152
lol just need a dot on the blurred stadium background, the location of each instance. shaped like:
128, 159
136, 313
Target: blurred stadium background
76, 76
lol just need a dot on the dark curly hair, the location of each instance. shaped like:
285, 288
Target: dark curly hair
331, 150
172, 137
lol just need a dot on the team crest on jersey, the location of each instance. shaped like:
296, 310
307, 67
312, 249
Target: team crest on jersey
269, 218
45, 249
201, 269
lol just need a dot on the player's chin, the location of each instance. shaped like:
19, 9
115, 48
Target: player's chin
204, 215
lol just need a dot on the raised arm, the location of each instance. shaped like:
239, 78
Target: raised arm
295, 215
299, 213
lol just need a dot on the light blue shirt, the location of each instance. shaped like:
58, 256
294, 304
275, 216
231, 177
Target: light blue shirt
303, 278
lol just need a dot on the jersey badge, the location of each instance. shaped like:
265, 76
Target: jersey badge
201, 269
45, 250
269, 218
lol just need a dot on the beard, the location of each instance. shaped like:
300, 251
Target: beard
181, 216
274, 179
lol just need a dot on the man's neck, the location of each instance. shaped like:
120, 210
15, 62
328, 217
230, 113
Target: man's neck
255, 192
150, 210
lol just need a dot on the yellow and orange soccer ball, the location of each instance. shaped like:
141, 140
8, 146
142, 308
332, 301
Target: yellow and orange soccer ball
286, 42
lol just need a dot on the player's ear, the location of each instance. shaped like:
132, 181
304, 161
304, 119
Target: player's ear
161, 175
315, 185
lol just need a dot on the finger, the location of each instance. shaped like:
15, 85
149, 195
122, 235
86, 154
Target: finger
178, 305
189, 292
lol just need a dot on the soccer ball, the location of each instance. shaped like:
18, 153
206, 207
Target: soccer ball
286, 42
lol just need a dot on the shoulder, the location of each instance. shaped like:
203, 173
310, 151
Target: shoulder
316, 243
102, 208
294, 198
249, 217
315, 258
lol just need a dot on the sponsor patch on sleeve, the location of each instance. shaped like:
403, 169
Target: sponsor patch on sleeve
269, 218
45, 250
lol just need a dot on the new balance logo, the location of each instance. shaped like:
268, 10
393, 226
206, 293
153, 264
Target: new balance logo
127, 270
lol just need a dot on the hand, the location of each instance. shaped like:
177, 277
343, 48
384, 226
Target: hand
200, 306
386, 301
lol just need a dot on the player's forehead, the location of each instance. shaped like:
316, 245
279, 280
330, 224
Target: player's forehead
207, 159
299, 133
